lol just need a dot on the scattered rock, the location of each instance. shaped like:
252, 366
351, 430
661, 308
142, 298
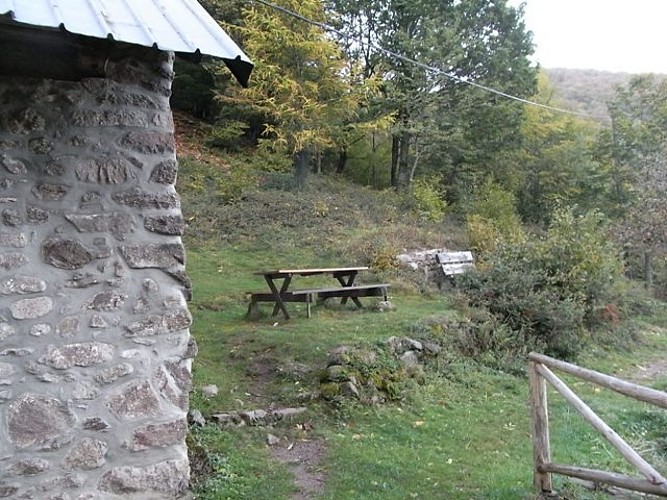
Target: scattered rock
257, 417
409, 359
195, 417
384, 306
210, 390
272, 440
350, 389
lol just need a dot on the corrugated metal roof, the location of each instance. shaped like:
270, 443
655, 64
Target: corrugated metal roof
172, 25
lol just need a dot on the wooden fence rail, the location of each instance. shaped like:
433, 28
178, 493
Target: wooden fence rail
539, 374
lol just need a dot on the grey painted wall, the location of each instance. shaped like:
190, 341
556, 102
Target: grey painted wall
95, 350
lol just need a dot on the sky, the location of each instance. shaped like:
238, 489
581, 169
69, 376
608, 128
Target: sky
610, 35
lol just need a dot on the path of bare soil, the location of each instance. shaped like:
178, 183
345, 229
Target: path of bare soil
652, 371
303, 456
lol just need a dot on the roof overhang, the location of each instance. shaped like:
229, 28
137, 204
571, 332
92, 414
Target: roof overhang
180, 26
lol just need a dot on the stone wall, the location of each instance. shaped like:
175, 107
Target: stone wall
95, 351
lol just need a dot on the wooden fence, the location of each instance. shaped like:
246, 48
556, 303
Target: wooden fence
540, 372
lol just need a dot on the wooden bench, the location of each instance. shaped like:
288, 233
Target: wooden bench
310, 296
453, 263
350, 292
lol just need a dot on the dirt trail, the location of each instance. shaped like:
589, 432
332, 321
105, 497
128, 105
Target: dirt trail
304, 458
645, 374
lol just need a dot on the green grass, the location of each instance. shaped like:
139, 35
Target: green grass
464, 433
461, 432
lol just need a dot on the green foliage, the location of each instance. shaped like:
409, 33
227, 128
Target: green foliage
368, 161
556, 164
221, 184
492, 219
427, 199
440, 124
193, 89
227, 136
517, 296
548, 289
637, 147
299, 83
580, 259
483, 235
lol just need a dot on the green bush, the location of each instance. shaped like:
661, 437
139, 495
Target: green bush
202, 182
580, 260
227, 136
518, 297
492, 219
427, 199
548, 290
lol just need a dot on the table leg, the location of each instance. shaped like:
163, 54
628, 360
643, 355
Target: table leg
348, 283
280, 305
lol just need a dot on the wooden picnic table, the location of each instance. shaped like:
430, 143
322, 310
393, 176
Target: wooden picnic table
280, 292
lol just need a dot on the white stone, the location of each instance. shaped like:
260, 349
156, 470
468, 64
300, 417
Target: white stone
31, 308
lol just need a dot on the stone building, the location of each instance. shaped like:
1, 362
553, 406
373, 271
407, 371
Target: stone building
95, 349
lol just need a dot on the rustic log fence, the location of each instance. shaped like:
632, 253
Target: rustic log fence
540, 373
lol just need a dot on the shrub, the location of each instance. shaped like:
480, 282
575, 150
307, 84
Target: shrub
549, 289
427, 199
483, 235
227, 136
518, 297
492, 219
580, 260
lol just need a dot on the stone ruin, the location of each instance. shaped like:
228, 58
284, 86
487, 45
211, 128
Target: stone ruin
95, 349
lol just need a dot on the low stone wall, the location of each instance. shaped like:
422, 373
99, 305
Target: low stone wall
424, 262
95, 351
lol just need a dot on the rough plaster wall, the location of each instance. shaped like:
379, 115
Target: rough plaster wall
95, 350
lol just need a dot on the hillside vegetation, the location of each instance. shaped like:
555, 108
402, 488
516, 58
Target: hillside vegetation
454, 426
586, 90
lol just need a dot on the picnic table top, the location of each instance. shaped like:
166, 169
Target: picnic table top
322, 270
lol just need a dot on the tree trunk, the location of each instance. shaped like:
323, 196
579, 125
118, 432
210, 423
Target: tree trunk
415, 162
373, 173
395, 149
403, 182
318, 162
648, 270
301, 161
342, 161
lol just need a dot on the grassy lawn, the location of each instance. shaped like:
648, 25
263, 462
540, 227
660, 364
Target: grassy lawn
462, 432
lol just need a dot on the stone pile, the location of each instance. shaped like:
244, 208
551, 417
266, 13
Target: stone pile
374, 375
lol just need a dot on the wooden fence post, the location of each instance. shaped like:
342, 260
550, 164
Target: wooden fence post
540, 429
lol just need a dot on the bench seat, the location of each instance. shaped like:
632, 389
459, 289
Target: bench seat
374, 290
308, 296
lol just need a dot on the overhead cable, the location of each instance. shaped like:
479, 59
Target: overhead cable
427, 67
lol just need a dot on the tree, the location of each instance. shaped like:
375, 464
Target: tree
301, 82
439, 120
556, 164
639, 139
638, 148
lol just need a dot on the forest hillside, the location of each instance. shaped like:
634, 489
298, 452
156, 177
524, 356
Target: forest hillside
586, 90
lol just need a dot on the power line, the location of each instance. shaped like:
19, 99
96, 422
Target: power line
427, 67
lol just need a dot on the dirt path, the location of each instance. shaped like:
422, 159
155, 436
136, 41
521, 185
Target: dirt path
304, 459
651, 372
303, 456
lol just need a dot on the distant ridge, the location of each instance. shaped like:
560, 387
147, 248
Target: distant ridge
586, 90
